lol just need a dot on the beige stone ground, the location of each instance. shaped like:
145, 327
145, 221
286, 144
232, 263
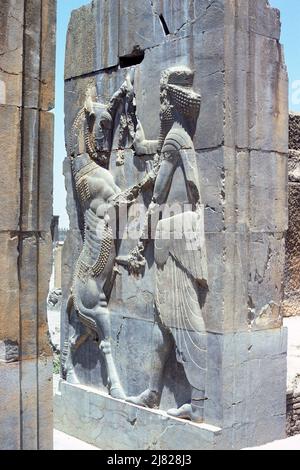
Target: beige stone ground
292, 443
63, 441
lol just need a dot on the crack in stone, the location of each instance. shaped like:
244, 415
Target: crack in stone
16, 19
120, 331
9, 51
158, 438
9, 73
153, 8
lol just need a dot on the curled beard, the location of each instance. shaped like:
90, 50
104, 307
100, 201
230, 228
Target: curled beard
166, 123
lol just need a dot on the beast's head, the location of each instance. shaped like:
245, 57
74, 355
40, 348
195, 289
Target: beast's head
98, 130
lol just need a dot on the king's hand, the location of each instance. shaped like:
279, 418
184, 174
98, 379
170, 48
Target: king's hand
135, 261
139, 140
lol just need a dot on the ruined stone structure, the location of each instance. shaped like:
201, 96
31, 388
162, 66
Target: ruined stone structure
292, 278
293, 412
291, 305
27, 58
172, 341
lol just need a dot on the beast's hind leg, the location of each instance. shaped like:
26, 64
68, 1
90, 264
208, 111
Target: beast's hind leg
92, 306
77, 335
75, 342
103, 323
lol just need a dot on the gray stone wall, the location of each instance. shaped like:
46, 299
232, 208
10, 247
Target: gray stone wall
291, 304
242, 147
27, 66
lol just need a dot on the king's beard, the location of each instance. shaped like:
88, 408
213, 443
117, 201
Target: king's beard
166, 123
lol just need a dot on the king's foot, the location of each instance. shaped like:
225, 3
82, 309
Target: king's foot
71, 377
147, 399
189, 412
117, 392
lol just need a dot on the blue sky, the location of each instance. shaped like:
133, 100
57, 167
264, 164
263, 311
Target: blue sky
290, 38
64, 9
290, 17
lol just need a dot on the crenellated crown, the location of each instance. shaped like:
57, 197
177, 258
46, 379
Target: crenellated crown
180, 76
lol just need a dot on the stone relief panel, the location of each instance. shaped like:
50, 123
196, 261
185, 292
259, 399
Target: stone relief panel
145, 286
173, 224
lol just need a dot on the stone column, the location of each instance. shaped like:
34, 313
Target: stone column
248, 345
27, 66
241, 144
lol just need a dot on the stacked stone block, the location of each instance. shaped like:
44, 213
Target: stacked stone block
27, 67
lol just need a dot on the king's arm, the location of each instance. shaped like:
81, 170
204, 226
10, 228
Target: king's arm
142, 146
130, 195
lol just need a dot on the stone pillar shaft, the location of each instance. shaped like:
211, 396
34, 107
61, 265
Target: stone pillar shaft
27, 68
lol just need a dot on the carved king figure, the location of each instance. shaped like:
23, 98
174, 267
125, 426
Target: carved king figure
180, 255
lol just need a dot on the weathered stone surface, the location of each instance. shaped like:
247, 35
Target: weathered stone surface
45, 183
32, 47
9, 351
9, 288
265, 287
238, 396
241, 144
138, 428
258, 119
37, 178
96, 23
45, 402
10, 159
81, 36
212, 179
48, 51
140, 27
268, 123
254, 121
27, 55
28, 295
247, 396
11, 52
185, 15
10, 438
36, 388
263, 18
29, 391
271, 189
30, 169
39, 54
45, 256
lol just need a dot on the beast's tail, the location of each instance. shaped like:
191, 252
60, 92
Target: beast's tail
65, 350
